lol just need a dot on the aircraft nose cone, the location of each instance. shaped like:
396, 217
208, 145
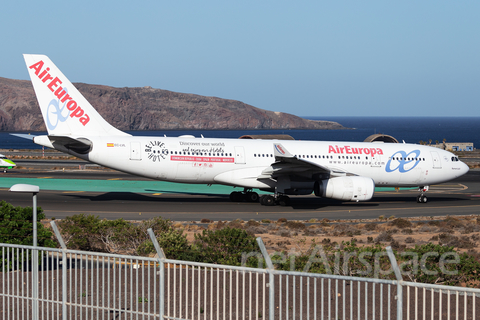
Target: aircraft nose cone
464, 168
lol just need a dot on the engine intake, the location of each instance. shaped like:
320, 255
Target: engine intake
353, 188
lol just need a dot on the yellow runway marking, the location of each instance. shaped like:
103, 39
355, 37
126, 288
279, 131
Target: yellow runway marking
44, 177
156, 194
115, 179
72, 191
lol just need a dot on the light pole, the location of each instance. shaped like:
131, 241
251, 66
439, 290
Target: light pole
28, 188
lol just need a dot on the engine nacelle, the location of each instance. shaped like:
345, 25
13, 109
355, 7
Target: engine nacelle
352, 188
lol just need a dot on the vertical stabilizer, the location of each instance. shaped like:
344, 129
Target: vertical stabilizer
65, 111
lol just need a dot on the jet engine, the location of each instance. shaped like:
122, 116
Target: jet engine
351, 188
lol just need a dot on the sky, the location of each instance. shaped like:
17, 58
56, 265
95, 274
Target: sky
308, 58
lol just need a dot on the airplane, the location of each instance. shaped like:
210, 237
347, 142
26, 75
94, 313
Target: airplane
346, 171
6, 163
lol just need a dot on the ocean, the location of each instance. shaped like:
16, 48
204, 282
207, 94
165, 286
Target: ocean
408, 129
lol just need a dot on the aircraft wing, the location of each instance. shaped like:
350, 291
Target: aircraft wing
288, 164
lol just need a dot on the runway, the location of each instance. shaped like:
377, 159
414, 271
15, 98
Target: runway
112, 195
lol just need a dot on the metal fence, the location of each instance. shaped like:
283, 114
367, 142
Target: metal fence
46, 283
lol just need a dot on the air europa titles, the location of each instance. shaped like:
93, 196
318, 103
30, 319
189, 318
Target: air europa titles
350, 150
62, 95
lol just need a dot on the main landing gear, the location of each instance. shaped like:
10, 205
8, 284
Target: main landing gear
246, 195
270, 200
422, 198
266, 200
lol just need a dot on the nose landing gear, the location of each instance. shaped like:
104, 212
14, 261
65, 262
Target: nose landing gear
422, 198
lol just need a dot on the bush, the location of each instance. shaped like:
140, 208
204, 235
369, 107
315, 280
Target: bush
16, 226
80, 232
401, 223
173, 243
463, 271
89, 233
384, 237
224, 246
295, 225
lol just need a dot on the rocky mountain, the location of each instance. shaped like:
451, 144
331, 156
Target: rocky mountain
149, 109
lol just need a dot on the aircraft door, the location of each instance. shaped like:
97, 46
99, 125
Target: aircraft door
239, 155
437, 164
135, 153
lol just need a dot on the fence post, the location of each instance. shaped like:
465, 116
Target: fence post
64, 268
271, 276
161, 262
398, 275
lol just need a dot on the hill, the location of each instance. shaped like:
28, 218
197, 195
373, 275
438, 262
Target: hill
149, 109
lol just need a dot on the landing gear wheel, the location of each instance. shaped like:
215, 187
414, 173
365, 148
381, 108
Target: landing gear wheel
252, 196
284, 201
236, 196
267, 200
422, 198
262, 198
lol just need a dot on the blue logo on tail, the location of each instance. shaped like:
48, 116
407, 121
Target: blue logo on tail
58, 112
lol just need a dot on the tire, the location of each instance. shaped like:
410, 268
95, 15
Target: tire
269, 201
252, 196
284, 201
262, 199
236, 196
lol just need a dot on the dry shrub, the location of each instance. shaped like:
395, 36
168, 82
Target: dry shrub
409, 240
427, 228
220, 225
401, 223
457, 242
252, 223
396, 245
470, 229
451, 223
371, 226
283, 243
237, 224
283, 233
349, 230
294, 225
384, 237
309, 232
256, 230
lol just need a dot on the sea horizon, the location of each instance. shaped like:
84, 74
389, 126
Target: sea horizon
408, 129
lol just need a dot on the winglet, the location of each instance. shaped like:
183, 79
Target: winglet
280, 151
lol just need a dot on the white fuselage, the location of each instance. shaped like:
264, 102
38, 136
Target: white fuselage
240, 162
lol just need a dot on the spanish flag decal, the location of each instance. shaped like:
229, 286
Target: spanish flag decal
110, 145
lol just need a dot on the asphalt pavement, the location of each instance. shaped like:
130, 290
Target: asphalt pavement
111, 194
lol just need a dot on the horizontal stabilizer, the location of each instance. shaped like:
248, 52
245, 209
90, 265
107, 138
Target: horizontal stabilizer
64, 143
23, 135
